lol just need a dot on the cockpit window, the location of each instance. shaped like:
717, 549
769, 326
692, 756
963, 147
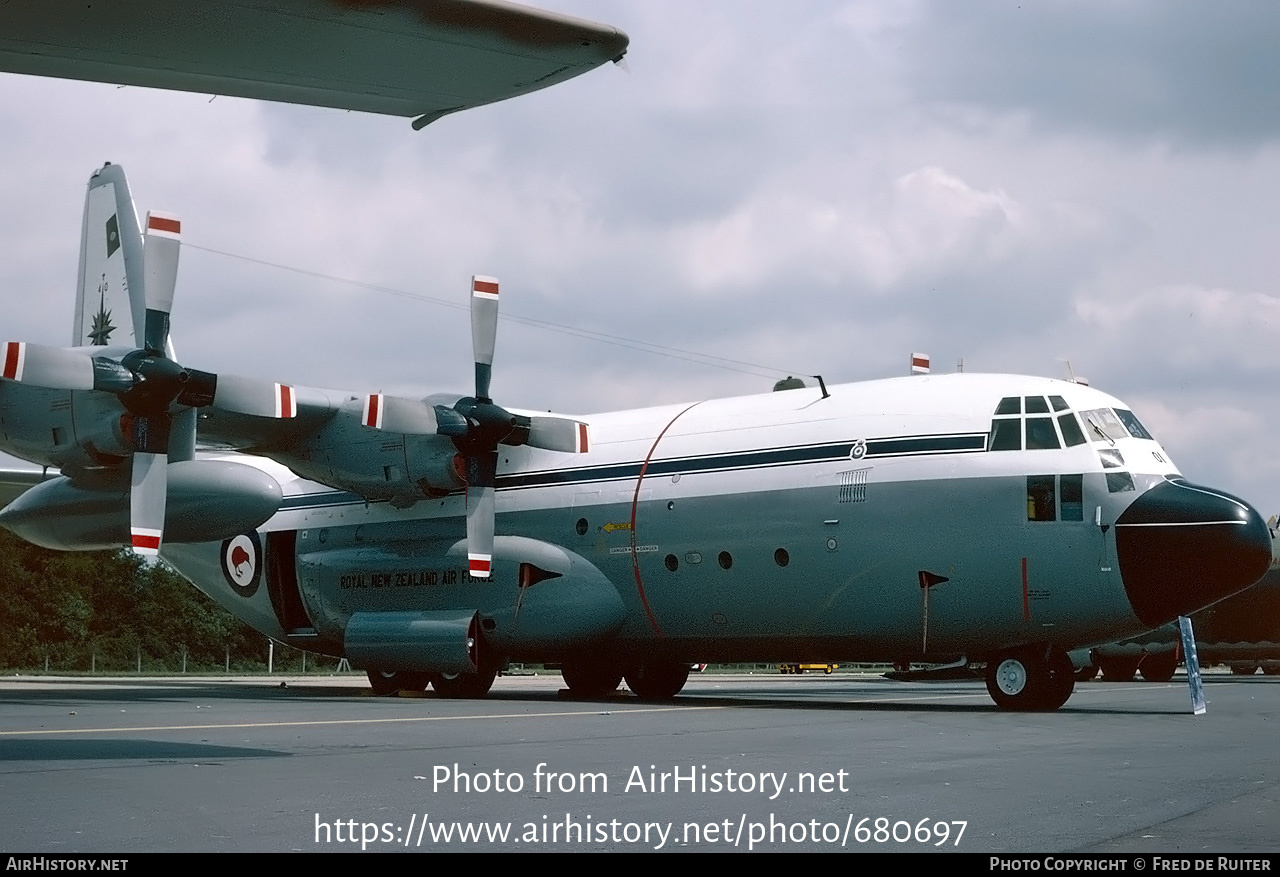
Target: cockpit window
1013, 430
1040, 433
1071, 433
1006, 435
1136, 429
1119, 482
1102, 425
1009, 405
1105, 425
1111, 458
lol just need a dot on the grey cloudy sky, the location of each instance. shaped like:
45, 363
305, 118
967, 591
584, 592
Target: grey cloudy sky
811, 187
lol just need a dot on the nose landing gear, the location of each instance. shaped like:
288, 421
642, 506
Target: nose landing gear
1031, 679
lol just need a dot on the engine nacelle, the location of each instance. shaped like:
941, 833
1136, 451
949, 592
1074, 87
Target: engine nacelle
208, 501
376, 465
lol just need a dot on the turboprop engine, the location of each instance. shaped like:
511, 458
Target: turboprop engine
208, 500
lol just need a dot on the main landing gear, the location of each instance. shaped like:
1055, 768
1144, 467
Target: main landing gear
653, 680
464, 686
1031, 678
658, 680
388, 683
590, 677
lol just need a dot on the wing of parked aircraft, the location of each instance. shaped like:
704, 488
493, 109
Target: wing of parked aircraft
15, 482
418, 58
378, 446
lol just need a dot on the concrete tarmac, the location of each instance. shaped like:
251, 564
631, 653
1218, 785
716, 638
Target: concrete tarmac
761, 763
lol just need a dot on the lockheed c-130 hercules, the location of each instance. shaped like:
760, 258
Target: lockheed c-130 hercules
984, 519
992, 519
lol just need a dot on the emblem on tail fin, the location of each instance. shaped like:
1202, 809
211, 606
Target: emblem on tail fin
110, 256
102, 327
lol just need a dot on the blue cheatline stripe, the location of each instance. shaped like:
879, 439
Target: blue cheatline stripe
931, 444
961, 443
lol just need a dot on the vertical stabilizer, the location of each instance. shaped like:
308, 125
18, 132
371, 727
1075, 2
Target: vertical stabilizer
110, 304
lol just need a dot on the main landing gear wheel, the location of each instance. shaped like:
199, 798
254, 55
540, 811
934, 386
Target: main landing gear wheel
464, 686
1158, 668
1118, 669
658, 680
1031, 679
386, 683
587, 677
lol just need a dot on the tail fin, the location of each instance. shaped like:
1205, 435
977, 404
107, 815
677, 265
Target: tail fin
110, 303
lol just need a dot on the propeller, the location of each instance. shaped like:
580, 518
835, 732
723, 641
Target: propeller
148, 382
477, 426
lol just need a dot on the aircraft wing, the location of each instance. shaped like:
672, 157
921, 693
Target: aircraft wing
418, 58
232, 431
15, 482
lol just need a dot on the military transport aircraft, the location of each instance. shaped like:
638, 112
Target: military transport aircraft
985, 519
970, 518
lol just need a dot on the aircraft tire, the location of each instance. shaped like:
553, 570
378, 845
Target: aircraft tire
1117, 669
658, 680
1271, 671
388, 683
464, 686
1028, 680
1244, 669
590, 677
1086, 673
1158, 668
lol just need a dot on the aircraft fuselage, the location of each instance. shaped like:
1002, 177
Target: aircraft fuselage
876, 524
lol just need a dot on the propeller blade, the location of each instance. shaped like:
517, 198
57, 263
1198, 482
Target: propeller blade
558, 434
484, 329
148, 492
161, 243
57, 368
481, 505
394, 414
254, 396
480, 513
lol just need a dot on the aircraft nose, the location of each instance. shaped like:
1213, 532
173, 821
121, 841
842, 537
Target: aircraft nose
1182, 547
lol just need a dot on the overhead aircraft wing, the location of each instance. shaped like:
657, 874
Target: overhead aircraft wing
418, 58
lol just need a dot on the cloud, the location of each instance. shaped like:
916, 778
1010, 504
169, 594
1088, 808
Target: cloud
1201, 75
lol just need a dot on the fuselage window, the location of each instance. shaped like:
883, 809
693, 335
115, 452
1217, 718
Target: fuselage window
1059, 404
1072, 493
1040, 432
1036, 405
1040, 498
